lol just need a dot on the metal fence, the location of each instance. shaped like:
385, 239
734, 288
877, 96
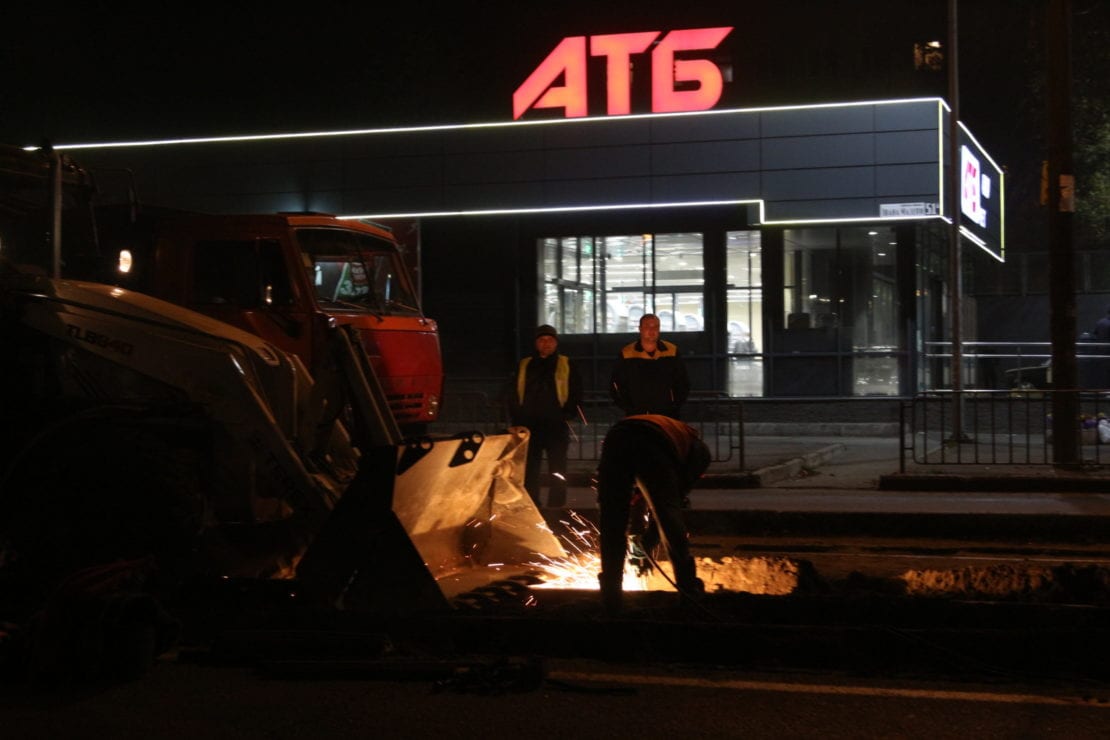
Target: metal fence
718, 418
998, 427
1002, 365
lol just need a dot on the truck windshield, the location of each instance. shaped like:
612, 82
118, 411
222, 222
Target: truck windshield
356, 270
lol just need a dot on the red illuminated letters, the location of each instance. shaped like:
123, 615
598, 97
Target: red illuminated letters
666, 71
617, 48
569, 58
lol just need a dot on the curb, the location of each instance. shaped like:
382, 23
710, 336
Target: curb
758, 478
989, 529
994, 483
794, 467
821, 429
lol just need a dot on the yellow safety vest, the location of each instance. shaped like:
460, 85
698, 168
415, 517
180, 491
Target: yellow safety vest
562, 378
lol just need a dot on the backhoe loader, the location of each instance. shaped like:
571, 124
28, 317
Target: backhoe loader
137, 429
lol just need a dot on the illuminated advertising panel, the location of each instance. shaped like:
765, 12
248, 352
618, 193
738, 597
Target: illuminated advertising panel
981, 196
975, 186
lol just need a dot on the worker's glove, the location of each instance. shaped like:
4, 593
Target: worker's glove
638, 557
649, 541
638, 514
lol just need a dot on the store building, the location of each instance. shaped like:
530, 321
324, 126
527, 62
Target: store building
790, 251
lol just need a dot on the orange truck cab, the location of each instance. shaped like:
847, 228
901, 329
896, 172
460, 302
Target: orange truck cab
285, 277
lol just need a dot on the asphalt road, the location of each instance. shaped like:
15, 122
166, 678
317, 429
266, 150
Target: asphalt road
570, 699
850, 654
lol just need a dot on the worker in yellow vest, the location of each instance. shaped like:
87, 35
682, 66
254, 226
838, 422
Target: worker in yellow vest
545, 398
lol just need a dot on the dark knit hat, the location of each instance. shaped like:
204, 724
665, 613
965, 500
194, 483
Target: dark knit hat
547, 330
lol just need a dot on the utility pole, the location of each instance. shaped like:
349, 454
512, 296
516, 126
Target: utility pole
55, 216
1061, 208
955, 271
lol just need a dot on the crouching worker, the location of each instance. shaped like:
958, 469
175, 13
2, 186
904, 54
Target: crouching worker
667, 457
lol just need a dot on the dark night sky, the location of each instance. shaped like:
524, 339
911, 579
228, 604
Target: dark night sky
106, 72
112, 70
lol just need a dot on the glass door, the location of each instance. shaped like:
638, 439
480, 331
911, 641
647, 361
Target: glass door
744, 313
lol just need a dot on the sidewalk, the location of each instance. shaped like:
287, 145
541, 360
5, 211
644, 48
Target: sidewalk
852, 486
868, 463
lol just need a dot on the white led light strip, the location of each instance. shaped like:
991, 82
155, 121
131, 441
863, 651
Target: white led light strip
471, 126
942, 107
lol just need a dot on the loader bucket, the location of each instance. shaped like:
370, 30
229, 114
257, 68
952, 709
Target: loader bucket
428, 520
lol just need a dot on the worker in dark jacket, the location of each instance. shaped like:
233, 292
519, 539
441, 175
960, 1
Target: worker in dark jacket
665, 457
649, 376
544, 398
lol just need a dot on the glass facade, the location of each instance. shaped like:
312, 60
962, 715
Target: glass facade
604, 284
744, 312
841, 307
829, 323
